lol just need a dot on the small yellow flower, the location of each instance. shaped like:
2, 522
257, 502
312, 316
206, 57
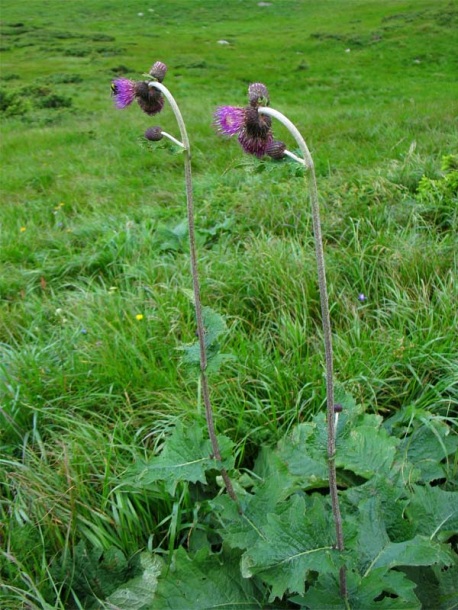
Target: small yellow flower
139, 316
22, 229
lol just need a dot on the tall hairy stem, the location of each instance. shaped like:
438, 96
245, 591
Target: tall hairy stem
196, 286
326, 324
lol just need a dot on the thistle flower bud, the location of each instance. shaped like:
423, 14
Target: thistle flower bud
154, 134
276, 149
158, 71
258, 95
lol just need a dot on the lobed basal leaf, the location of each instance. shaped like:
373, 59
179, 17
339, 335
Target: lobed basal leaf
186, 456
298, 540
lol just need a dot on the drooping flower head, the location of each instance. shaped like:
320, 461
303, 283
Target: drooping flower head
256, 134
149, 99
252, 128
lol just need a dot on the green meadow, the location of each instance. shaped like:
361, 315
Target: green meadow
95, 307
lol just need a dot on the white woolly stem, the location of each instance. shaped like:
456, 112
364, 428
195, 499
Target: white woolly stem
176, 112
174, 140
288, 153
293, 131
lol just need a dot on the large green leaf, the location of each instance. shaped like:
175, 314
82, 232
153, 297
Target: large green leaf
372, 537
206, 582
434, 512
304, 453
435, 586
137, 593
393, 497
420, 551
243, 530
375, 550
362, 447
294, 542
186, 456
379, 590
428, 448
448, 591
366, 449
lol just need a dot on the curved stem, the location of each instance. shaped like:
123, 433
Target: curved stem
293, 130
326, 324
196, 285
291, 155
176, 112
172, 139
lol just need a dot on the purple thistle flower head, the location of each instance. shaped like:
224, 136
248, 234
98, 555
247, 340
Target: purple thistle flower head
124, 91
253, 129
258, 95
154, 134
158, 71
229, 119
276, 149
149, 99
256, 135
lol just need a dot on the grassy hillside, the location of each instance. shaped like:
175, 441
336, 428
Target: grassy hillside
94, 261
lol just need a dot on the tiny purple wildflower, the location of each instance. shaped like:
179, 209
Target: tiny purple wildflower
229, 119
124, 91
361, 297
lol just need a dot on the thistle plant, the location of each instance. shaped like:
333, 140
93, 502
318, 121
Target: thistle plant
252, 125
150, 95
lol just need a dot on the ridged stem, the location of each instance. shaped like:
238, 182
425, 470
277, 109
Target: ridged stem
326, 324
196, 286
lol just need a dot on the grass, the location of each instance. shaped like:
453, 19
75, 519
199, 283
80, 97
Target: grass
92, 234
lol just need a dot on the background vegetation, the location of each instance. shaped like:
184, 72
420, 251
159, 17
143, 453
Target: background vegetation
94, 278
